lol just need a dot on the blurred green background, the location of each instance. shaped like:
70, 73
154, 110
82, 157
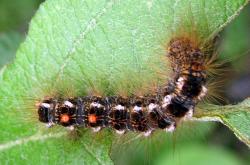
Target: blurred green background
194, 143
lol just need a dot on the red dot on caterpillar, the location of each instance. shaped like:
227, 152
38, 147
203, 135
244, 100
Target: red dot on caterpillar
64, 118
92, 118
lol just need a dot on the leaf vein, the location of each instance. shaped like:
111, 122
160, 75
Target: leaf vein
90, 26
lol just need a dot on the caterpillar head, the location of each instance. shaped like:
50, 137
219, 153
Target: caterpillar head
45, 112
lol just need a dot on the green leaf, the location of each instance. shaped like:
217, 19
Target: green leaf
57, 148
15, 13
236, 117
201, 155
236, 52
9, 43
160, 144
77, 47
236, 31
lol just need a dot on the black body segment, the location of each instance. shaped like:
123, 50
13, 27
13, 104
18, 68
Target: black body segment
138, 119
119, 113
46, 111
179, 106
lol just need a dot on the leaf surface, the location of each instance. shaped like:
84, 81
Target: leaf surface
9, 42
236, 117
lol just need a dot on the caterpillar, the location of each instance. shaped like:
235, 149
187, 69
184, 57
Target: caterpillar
161, 110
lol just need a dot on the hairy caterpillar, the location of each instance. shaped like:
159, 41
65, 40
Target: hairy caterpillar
161, 110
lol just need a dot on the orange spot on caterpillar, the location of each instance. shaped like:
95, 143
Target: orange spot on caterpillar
64, 118
92, 118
